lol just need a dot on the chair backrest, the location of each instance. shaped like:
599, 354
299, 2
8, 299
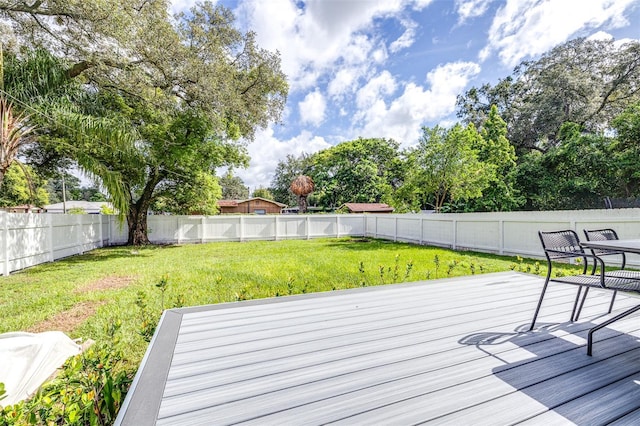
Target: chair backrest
561, 244
601, 235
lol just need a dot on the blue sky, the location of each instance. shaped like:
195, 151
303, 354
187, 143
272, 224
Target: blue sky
385, 68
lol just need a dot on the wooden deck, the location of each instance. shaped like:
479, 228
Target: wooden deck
444, 352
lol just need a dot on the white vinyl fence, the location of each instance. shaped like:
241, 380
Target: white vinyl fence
30, 239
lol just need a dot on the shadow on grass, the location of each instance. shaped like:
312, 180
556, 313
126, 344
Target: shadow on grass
371, 244
365, 244
97, 255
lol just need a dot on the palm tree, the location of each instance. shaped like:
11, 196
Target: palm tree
14, 132
302, 186
39, 82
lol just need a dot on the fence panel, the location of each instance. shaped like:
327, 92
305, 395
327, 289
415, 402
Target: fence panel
30, 239
290, 227
27, 239
259, 227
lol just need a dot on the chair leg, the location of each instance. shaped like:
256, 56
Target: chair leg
613, 299
576, 314
606, 323
535, 315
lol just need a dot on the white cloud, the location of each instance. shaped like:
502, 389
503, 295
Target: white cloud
319, 35
312, 108
469, 9
407, 38
403, 118
267, 150
526, 28
600, 35
343, 82
382, 85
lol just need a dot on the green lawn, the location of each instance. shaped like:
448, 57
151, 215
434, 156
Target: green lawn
115, 296
82, 295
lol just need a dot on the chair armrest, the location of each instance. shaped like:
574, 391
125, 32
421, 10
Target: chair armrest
574, 254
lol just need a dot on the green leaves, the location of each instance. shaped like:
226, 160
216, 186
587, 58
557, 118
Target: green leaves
446, 166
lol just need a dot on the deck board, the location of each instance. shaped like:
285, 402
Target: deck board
451, 351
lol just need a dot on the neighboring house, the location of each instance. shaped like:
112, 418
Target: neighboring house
89, 207
368, 208
25, 208
255, 205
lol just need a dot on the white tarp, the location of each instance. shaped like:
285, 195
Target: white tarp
27, 360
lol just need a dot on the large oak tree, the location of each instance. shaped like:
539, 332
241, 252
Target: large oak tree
588, 82
187, 90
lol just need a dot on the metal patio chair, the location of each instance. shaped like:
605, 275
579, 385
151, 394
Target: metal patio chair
604, 235
565, 245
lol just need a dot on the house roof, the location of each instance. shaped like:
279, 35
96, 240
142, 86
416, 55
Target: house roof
88, 206
368, 207
234, 203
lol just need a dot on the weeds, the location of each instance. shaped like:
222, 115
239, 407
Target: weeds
89, 390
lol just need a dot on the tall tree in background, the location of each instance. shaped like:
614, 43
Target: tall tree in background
263, 193
576, 174
495, 149
302, 186
360, 171
233, 187
627, 151
194, 196
286, 171
22, 186
445, 167
588, 82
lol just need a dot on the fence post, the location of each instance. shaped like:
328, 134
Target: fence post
454, 244
364, 225
111, 218
337, 226
79, 239
275, 230
501, 236
5, 242
241, 228
306, 226
375, 231
395, 229
421, 230
50, 236
202, 225
100, 244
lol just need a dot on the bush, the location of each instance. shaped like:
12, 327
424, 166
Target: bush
89, 391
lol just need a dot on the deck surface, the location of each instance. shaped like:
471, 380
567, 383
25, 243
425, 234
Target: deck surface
453, 351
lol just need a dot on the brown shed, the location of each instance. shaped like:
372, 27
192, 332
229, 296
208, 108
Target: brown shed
255, 205
368, 208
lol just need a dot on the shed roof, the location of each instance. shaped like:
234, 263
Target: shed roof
369, 207
234, 203
87, 206
227, 203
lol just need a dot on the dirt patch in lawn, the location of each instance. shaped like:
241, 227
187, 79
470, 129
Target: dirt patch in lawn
106, 283
68, 320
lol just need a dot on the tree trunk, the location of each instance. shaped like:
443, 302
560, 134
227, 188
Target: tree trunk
137, 222
137, 215
302, 203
